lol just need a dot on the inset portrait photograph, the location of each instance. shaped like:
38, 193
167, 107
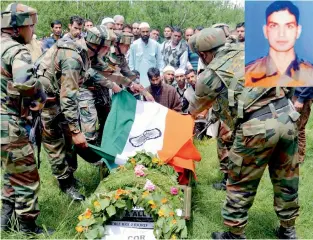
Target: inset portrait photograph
279, 43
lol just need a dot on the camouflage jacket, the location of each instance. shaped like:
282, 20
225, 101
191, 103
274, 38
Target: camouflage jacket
62, 70
108, 70
122, 73
222, 83
18, 84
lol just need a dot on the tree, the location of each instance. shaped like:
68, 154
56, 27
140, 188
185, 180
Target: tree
158, 14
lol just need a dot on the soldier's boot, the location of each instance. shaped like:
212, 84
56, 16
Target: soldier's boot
286, 233
221, 185
67, 186
6, 214
227, 235
75, 181
30, 227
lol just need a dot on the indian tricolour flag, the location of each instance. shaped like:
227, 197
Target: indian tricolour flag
134, 125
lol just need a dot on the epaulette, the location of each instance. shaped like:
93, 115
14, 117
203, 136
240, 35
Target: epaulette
307, 63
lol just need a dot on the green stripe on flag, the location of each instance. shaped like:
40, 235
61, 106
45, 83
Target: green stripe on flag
117, 126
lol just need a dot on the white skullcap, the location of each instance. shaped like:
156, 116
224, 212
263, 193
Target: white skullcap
107, 20
179, 71
144, 25
169, 68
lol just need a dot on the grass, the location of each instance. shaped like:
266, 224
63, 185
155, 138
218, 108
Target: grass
58, 212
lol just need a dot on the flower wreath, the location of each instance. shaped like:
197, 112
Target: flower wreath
144, 181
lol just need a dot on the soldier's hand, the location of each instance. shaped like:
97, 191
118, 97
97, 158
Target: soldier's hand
298, 106
136, 88
116, 88
36, 106
79, 140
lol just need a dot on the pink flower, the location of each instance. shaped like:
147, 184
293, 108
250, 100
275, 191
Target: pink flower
149, 186
174, 191
139, 170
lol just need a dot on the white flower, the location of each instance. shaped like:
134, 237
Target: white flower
179, 212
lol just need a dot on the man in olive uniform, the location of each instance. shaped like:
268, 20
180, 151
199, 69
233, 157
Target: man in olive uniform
18, 86
265, 134
62, 70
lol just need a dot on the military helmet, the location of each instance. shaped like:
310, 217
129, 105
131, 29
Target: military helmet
224, 27
208, 39
100, 35
124, 37
18, 15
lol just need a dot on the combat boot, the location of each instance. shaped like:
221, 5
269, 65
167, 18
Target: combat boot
67, 186
6, 214
227, 235
30, 227
75, 182
286, 233
221, 185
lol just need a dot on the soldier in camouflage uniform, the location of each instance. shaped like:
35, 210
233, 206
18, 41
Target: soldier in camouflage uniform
265, 134
18, 86
94, 95
224, 141
63, 70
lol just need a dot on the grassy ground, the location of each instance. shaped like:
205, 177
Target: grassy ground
58, 212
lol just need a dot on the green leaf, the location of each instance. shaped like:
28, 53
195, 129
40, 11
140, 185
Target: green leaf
157, 232
166, 228
135, 198
184, 233
167, 235
181, 223
98, 209
86, 222
101, 232
160, 222
92, 233
129, 204
104, 203
111, 210
120, 203
104, 218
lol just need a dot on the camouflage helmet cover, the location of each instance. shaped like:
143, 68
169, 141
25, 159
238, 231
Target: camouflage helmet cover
220, 25
18, 15
124, 38
100, 35
223, 26
210, 38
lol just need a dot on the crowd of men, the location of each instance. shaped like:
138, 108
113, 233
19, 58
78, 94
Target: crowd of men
71, 84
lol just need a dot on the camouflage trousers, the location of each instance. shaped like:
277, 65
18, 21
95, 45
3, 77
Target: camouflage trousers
57, 142
271, 142
224, 143
20, 174
93, 111
303, 120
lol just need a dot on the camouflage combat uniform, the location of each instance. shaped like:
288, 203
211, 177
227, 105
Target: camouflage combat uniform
94, 99
61, 70
265, 134
224, 141
18, 86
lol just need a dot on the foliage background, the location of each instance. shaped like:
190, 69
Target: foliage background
157, 13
